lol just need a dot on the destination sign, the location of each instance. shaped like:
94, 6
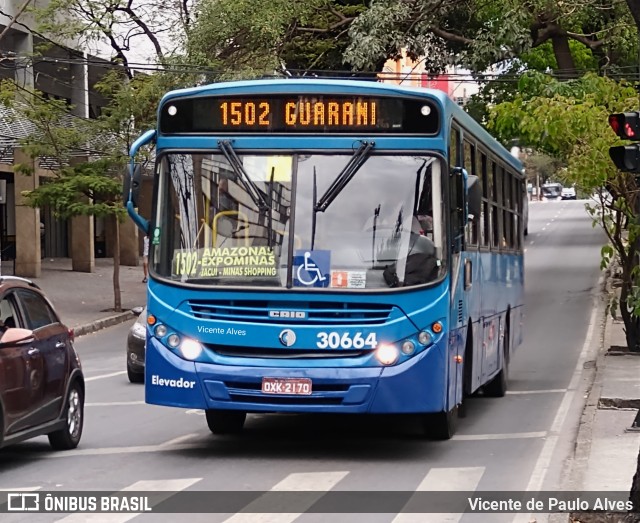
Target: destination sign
228, 262
300, 113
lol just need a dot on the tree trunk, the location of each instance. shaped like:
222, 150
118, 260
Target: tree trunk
634, 7
634, 495
566, 66
631, 324
117, 300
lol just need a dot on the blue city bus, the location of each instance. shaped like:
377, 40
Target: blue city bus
328, 246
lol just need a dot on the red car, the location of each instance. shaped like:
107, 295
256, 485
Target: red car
41, 380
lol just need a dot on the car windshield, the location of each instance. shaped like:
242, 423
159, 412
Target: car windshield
323, 227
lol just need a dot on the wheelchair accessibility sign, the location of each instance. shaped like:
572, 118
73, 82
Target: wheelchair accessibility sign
312, 268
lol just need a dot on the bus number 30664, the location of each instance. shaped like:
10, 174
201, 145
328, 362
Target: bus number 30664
335, 340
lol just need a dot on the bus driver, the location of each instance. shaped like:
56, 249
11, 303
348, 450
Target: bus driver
421, 264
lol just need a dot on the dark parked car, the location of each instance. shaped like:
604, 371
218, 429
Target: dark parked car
41, 380
136, 344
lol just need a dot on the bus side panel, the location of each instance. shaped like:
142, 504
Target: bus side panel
457, 342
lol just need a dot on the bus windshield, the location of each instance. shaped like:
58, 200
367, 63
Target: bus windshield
266, 222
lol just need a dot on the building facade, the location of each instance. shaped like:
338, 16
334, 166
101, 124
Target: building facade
26, 234
456, 82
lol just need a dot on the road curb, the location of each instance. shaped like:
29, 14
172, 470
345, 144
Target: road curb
575, 472
103, 323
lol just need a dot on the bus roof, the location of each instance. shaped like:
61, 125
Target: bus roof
296, 85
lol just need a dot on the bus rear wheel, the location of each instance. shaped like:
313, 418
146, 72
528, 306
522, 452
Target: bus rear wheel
440, 425
225, 421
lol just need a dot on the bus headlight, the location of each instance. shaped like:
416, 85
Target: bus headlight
160, 331
387, 354
424, 338
173, 340
190, 349
408, 347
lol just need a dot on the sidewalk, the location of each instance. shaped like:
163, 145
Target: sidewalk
606, 449
84, 300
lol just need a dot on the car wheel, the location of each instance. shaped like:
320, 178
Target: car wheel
69, 436
135, 377
225, 421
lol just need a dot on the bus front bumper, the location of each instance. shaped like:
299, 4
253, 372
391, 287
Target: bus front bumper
415, 386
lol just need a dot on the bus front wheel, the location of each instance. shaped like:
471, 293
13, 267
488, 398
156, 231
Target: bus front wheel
225, 421
440, 425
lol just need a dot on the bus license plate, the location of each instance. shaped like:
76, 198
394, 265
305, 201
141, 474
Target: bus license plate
297, 386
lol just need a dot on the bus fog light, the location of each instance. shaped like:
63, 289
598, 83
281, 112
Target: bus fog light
190, 349
173, 341
408, 348
387, 354
160, 331
424, 338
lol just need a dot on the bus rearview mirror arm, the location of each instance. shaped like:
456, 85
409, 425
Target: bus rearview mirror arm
133, 181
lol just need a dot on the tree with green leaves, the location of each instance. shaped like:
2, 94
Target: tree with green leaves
479, 35
86, 182
569, 121
92, 154
249, 38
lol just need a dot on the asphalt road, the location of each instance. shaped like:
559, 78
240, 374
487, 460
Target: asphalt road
519, 442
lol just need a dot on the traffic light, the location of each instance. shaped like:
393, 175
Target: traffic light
626, 126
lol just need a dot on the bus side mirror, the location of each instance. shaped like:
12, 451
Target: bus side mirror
132, 185
474, 197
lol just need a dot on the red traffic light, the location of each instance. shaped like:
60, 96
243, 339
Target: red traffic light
626, 125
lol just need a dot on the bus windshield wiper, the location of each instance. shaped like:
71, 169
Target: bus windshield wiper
345, 176
243, 176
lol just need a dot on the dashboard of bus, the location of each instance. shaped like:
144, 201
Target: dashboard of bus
349, 220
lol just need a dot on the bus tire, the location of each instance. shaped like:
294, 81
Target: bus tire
225, 421
497, 387
440, 425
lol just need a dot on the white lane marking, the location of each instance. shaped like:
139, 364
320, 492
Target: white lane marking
461, 479
543, 462
103, 376
109, 451
114, 403
318, 482
198, 412
511, 435
544, 227
179, 440
532, 242
539, 391
20, 489
161, 485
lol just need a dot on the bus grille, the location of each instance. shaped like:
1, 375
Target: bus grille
255, 311
282, 353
